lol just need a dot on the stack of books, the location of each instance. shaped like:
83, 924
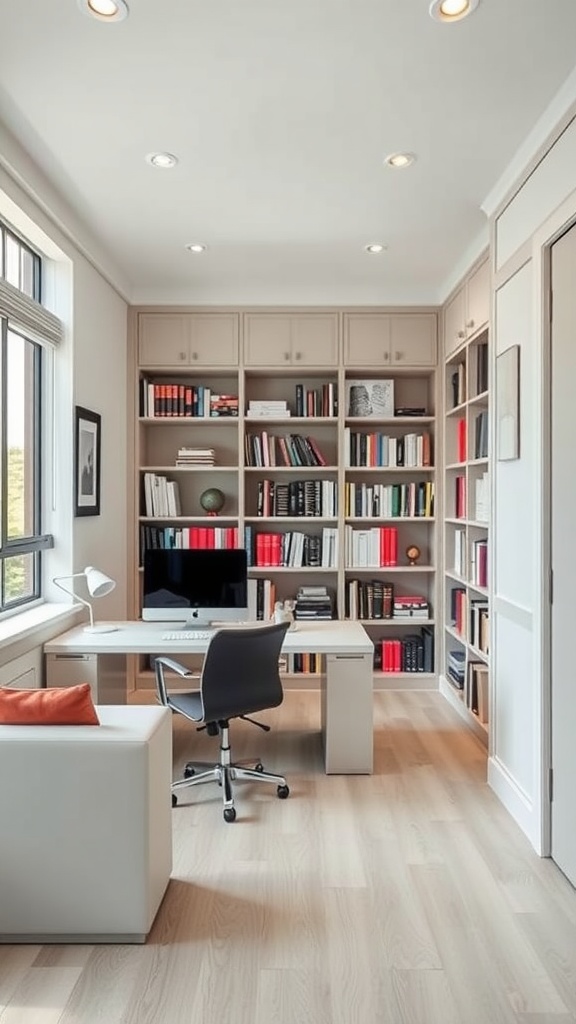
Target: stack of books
275, 409
410, 606
223, 405
196, 457
313, 604
456, 668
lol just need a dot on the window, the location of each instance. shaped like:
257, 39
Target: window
26, 331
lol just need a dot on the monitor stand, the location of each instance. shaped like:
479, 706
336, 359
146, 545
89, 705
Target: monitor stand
199, 623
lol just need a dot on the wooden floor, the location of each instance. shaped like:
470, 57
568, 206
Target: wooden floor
407, 896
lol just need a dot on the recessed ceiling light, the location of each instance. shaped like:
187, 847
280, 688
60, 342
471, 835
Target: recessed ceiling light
162, 160
375, 248
399, 160
196, 247
452, 10
105, 10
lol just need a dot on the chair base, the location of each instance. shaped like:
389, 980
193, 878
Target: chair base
224, 775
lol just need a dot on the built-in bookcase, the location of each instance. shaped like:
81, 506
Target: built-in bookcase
465, 660
325, 447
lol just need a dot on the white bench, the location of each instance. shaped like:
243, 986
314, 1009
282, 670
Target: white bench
86, 832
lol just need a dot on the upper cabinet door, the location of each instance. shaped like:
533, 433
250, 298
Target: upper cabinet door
367, 339
267, 339
314, 339
454, 321
413, 339
214, 339
478, 305
164, 339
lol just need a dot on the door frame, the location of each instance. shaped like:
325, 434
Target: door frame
562, 221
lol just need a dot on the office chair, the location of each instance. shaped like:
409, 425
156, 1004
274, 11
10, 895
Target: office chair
240, 676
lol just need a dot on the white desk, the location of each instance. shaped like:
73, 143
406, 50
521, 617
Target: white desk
346, 699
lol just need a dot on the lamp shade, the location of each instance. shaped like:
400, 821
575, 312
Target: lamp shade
98, 583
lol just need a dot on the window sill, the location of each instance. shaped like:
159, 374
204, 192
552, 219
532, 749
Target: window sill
36, 625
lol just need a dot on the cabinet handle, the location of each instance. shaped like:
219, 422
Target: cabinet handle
298, 355
470, 324
194, 355
385, 356
461, 334
286, 355
398, 356
182, 355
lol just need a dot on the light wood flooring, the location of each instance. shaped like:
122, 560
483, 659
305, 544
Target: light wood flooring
405, 897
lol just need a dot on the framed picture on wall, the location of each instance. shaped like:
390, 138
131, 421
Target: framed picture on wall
87, 426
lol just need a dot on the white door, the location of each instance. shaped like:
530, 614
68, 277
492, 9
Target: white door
563, 543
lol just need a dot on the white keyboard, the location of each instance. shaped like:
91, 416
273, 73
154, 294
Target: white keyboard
188, 634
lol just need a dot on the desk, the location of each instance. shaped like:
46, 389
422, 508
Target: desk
346, 698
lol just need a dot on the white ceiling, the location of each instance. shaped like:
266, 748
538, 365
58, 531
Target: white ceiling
281, 114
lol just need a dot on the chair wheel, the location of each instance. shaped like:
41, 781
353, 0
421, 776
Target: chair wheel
229, 814
259, 767
283, 792
174, 800
189, 771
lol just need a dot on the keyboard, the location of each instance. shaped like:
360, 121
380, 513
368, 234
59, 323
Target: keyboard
188, 634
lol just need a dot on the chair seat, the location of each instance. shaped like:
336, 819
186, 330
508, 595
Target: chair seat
188, 704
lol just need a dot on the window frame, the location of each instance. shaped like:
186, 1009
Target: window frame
32, 312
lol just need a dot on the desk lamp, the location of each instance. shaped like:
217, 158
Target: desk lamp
98, 585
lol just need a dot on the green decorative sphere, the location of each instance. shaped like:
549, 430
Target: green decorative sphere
212, 500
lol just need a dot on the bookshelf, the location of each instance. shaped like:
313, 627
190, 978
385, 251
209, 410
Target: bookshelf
320, 494
465, 662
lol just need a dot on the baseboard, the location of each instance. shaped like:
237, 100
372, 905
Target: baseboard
47, 938
516, 802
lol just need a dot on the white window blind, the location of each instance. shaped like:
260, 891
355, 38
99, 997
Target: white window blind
29, 315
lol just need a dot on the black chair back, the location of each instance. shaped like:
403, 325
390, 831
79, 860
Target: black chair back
241, 673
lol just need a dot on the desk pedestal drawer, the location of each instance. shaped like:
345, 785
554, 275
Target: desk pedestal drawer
106, 674
347, 714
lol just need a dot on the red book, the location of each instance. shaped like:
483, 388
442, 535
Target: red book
461, 440
260, 549
275, 549
267, 549
393, 545
194, 536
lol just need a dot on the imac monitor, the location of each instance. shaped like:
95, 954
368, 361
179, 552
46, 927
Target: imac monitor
195, 586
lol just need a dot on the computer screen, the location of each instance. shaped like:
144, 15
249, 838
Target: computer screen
195, 586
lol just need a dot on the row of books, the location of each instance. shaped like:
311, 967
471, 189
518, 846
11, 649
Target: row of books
470, 618
458, 383
305, 663
476, 692
297, 498
289, 450
320, 401
161, 496
478, 568
481, 435
413, 500
188, 537
377, 547
375, 449
379, 599
184, 401
292, 549
456, 667
411, 653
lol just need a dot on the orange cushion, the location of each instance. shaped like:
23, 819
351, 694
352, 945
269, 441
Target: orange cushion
70, 705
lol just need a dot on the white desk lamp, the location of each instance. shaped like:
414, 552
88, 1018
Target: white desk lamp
98, 585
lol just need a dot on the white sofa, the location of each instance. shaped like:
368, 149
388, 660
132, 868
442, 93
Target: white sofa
86, 832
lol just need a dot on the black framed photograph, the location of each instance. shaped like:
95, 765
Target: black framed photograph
87, 462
